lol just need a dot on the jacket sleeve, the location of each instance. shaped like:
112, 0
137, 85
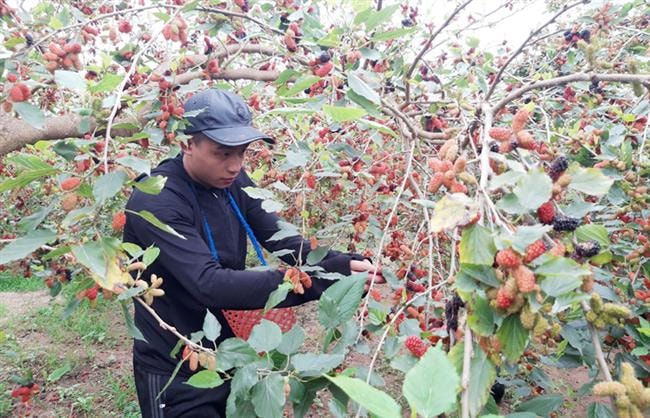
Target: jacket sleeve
265, 225
211, 284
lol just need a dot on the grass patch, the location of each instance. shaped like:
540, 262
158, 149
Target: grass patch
11, 283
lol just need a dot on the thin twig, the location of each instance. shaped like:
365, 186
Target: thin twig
425, 48
557, 81
407, 172
524, 44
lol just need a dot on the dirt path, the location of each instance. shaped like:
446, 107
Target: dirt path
18, 304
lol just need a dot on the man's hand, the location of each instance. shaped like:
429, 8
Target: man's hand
374, 272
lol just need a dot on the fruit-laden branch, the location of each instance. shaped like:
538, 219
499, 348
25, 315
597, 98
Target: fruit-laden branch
437, 137
241, 15
553, 82
525, 43
426, 48
16, 133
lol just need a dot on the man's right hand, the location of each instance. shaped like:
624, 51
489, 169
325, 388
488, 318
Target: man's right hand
373, 272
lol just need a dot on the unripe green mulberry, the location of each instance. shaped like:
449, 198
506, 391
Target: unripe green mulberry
600, 323
596, 302
616, 311
591, 316
541, 326
527, 317
609, 389
556, 329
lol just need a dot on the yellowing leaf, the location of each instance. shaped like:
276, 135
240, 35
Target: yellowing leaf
114, 275
451, 211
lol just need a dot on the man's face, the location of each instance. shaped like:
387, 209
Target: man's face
213, 164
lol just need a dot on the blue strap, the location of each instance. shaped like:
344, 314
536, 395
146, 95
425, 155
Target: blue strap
240, 217
249, 231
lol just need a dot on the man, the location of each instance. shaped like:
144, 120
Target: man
203, 200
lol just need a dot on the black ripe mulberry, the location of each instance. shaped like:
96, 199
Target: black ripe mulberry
585, 35
588, 249
324, 57
558, 166
565, 223
494, 146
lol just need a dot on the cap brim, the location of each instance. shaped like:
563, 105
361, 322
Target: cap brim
240, 135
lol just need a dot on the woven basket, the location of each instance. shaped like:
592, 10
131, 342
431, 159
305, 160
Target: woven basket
243, 322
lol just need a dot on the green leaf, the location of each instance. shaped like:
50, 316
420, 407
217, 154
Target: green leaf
599, 410
392, 34
311, 364
138, 165
235, 352
561, 275
339, 302
285, 230
66, 150
24, 246
26, 177
151, 218
370, 398
95, 256
526, 235
316, 256
541, 405
593, 232
301, 84
151, 185
130, 325
533, 189
278, 295
378, 126
108, 83
265, 336
31, 222
360, 87
481, 318
150, 255
31, 162
30, 114
477, 246
376, 18
343, 114
292, 340
431, 397
483, 274
590, 181
211, 326
332, 39
483, 374
71, 80
59, 372
268, 396
108, 185
205, 379
360, 5
513, 337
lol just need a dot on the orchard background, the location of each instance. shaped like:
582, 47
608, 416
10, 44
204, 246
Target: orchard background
503, 190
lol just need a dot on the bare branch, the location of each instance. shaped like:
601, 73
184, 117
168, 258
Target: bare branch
426, 48
557, 81
230, 13
525, 43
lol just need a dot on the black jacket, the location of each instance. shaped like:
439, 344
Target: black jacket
193, 281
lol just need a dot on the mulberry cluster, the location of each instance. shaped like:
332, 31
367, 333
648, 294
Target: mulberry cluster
603, 314
631, 397
416, 345
558, 166
587, 249
565, 223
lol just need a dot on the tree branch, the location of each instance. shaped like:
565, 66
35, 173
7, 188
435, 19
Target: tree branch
467, 359
426, 48
523, 45
557, 81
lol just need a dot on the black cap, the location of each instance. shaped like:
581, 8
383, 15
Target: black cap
223, 117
